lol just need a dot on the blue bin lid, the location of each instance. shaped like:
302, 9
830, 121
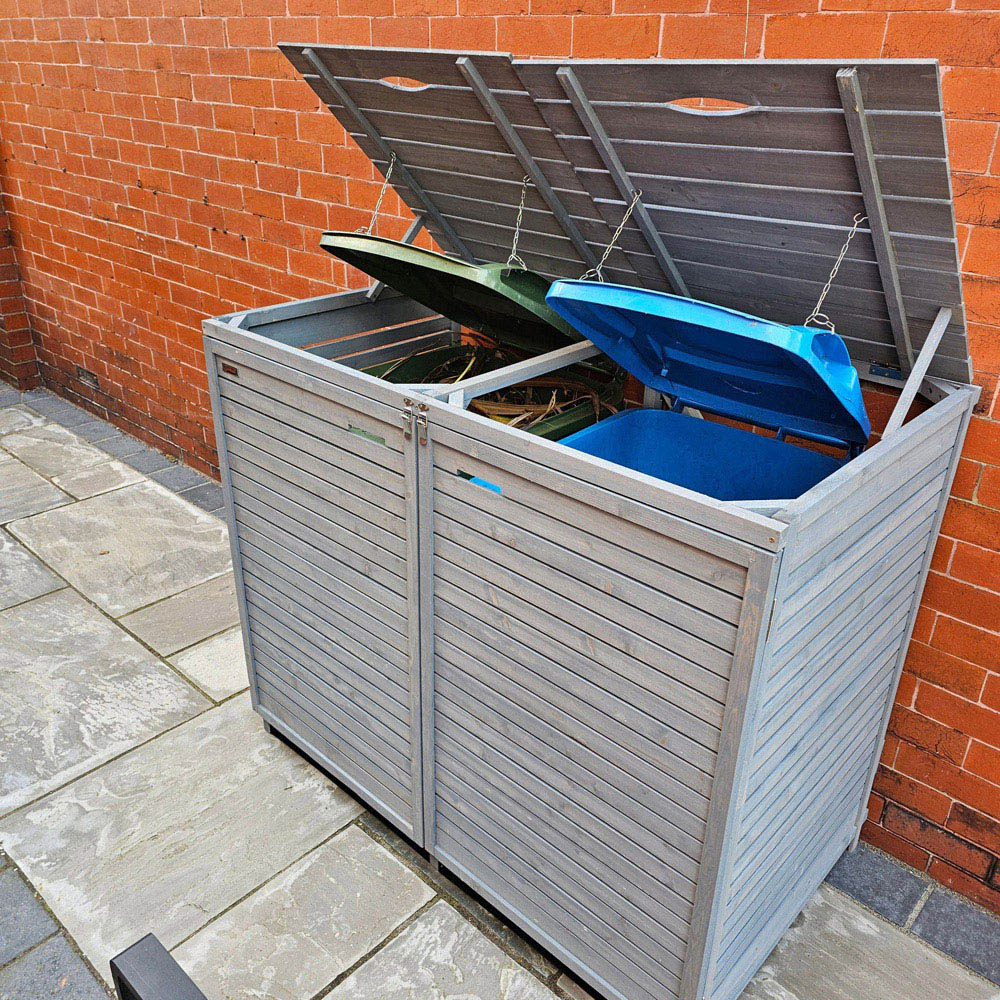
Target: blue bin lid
794, 378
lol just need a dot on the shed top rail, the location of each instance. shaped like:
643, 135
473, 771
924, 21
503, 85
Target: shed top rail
751, 174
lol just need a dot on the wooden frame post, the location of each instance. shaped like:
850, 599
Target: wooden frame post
871, 192
916, 377
490, 105
332, 83
602, 143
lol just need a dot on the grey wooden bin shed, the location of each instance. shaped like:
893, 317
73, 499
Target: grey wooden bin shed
641, 722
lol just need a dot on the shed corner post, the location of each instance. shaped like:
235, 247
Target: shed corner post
423, 445
212, 369
732, 768
866, 789
418, 467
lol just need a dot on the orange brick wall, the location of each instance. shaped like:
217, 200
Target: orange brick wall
17, 351
161, 163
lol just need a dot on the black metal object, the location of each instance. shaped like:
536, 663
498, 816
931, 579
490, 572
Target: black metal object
147, 971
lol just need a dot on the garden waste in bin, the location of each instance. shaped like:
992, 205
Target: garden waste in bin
503, 311
792, 380
639, 720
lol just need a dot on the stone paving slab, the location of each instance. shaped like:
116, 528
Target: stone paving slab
22, 576
130, 547
88, 482
958, 928
52, 450
23, 491
308, 925
441, 955
188, 617
18, 418
218, 665
148, 460
76, 691
23, 920
52, 971
836, 950
167, 837
179, 477
880, 883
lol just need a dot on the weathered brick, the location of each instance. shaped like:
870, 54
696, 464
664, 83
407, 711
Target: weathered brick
976, 827
965, 884
910, 854
936, 840
938, 739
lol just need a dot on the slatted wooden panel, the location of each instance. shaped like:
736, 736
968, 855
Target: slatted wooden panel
754, 205
583, 643
849, 580
456, 153
318, 486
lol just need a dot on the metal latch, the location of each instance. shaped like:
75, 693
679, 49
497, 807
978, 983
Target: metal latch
422, 423
407, 417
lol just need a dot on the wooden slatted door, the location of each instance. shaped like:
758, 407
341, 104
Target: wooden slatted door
319, 481
583, 642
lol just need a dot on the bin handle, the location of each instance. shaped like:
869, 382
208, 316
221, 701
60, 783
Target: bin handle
404, 83
739, 107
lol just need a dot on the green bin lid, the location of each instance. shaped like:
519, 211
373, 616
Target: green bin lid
506, 303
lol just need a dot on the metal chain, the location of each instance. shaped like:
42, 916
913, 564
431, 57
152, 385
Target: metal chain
595, 272
366, 230
513, 258
821, 319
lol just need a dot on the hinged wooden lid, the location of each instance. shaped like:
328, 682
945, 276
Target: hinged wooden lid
745, 202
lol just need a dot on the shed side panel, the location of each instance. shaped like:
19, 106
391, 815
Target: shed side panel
849, 580
317, 488
581, 668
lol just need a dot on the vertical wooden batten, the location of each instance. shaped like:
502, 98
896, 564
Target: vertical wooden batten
871, 190
602, 143
527, 161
